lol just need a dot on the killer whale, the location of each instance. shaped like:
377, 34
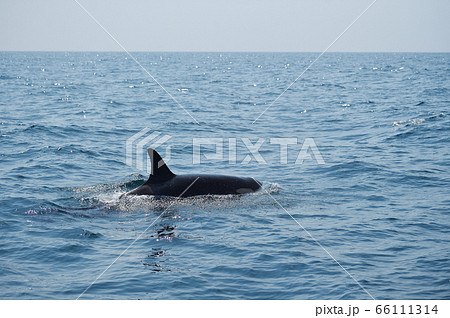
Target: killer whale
163, 182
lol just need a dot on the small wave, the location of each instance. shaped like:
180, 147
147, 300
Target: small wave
406, 128
242, 103
410, 122
329, 85
351, 168
436, 115
40, 210
6, 77
89, 234
53, 208
416, 121
115, 103
439, 91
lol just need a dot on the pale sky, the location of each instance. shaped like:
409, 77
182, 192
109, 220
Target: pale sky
231, 25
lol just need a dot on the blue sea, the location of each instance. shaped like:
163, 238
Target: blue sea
370, 221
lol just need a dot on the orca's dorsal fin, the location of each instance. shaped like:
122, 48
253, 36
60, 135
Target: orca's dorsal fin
160, 172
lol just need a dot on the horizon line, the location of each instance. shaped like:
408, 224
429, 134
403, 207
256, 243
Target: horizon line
189, 51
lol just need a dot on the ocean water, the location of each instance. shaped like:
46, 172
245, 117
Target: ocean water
379, 205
